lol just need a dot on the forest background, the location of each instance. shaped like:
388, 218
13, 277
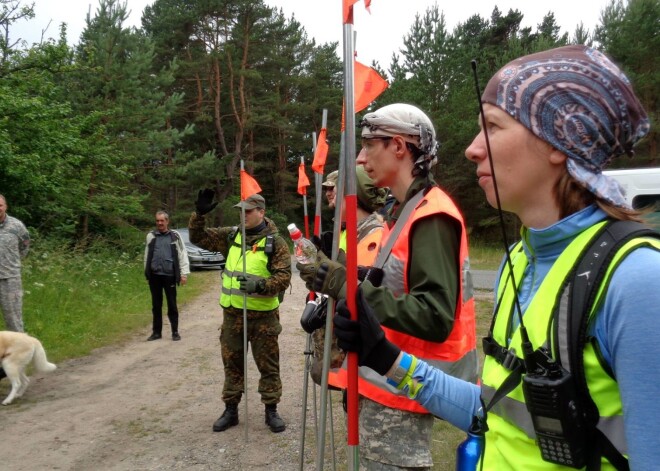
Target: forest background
96, 137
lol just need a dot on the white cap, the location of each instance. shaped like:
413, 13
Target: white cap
294, 231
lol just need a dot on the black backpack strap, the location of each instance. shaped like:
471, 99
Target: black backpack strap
586, 281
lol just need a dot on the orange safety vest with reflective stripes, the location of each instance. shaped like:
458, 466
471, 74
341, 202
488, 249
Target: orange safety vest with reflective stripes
457, 355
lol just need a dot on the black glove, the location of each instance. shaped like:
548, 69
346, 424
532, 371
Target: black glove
364, 336
373, 274
250, 286
204, 203
313, 317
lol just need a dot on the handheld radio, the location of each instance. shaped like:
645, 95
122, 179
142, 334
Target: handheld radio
550, 390
551, 399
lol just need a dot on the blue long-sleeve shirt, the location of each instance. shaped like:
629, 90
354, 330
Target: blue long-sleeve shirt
626, 327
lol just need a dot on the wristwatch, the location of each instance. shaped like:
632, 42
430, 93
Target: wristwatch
400, 371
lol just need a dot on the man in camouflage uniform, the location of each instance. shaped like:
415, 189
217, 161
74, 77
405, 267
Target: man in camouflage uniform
268, 272
14, 245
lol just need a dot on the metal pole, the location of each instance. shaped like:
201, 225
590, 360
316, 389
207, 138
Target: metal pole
330, 310
245, 342
303, 421
351, 233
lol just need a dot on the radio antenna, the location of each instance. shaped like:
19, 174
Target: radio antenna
526, 344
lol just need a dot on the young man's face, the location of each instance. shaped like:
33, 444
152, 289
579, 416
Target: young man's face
379, 160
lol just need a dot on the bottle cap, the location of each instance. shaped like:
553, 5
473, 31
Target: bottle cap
294, 231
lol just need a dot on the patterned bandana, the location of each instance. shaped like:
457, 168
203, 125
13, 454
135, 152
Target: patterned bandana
407, 121
578, 101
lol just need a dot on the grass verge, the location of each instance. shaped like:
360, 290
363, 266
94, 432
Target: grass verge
77, 301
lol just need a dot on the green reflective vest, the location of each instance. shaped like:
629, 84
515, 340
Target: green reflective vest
256, 268
510, 440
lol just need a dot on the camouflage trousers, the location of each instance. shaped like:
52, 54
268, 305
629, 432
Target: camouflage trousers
392, 439
11, 303
336, 355
262, 333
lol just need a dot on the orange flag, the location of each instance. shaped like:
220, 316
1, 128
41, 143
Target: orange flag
303, 181
321, 153
249, 186
348, 7
368, 85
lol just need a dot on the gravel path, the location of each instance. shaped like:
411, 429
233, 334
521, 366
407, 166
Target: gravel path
150, 405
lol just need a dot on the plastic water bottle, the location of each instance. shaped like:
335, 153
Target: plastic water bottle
469, 451
303, 249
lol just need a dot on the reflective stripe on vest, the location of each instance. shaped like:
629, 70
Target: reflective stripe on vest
457, 355
256, 267
342, 240
510, 437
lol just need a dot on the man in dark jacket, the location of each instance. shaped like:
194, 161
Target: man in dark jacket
267, 263
165, 266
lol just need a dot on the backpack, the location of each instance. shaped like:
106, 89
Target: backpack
582, 295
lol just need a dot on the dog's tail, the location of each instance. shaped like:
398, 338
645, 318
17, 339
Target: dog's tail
41, 363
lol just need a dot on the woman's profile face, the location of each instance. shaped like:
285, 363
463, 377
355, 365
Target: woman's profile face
523, 168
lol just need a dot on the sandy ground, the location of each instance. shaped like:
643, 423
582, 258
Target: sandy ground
150, 405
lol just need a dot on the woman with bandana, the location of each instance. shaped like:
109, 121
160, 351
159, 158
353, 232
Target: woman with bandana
552, 121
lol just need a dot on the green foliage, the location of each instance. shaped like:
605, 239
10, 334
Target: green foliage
623, 25
95, 138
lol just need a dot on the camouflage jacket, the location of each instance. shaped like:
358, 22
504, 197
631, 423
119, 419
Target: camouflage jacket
14, 245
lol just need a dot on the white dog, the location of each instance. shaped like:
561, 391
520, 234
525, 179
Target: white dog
17, 350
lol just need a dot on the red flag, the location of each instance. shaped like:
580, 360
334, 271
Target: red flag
249, 185
303, 181
321, 152
368, 85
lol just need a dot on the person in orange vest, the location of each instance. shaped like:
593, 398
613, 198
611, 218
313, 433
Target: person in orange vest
425, 302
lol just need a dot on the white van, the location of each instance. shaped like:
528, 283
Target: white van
642, 187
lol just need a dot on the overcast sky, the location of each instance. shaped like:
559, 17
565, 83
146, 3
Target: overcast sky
379, 34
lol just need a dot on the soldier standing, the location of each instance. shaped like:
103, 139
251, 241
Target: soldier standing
268, 272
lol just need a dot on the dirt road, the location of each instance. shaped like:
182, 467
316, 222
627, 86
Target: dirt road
150, 405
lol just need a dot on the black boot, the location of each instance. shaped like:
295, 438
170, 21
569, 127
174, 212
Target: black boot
273, 419
229, 418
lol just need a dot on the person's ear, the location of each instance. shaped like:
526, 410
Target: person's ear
399, 146
557, 157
